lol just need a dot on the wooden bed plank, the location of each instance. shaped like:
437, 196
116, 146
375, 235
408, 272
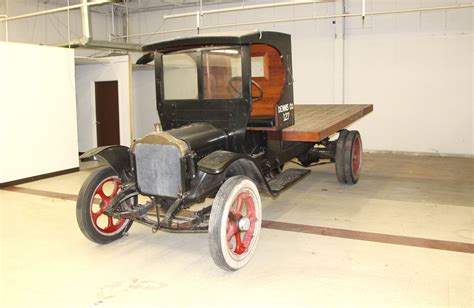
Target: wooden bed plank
313, 123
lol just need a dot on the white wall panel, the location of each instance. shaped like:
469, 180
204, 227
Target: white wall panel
38, 129
421, 90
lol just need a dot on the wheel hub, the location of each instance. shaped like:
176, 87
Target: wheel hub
244, 224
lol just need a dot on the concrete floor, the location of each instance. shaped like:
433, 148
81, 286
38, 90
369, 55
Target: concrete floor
46, 261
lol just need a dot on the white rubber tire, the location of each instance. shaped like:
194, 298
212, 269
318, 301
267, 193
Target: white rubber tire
218, 244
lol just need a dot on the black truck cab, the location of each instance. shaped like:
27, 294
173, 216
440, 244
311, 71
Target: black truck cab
232, 81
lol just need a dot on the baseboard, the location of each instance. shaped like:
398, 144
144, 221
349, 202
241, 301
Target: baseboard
38, 177
430, 154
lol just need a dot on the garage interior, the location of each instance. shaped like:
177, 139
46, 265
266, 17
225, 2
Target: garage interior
403, 236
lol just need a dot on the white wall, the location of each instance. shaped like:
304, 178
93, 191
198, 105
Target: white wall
38, 130
416, 68
144, 102
86, 76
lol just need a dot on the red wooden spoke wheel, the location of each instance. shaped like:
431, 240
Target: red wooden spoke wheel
241, 223
235, 223
94, 198
104, 193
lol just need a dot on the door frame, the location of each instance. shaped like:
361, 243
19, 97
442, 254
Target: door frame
124, 102
93, 109
94, 115
94, 120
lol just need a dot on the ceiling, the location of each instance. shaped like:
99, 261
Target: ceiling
139, 6
136, 6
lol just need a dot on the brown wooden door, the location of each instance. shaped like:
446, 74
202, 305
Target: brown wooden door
107, 113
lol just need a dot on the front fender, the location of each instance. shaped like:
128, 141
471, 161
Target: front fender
219, 163
116, 156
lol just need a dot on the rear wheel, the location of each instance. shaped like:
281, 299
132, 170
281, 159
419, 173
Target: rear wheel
94, 197
353, 157
340, 150
235, 223
348, 157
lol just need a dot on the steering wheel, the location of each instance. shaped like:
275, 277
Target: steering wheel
231, 86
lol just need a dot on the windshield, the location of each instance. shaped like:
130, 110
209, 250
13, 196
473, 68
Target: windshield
221, 76
180, 76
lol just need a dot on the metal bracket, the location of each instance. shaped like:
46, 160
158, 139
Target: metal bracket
171, 213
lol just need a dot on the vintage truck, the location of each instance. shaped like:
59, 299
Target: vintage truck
229, 126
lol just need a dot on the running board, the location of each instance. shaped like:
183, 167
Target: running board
287, 178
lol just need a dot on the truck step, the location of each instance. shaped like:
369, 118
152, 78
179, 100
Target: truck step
287, 178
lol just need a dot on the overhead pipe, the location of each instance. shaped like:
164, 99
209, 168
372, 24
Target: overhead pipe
245, 7
342, 15
461, 6
126, 20
106, 45
5, 8
363, 12
135, 10
86, 40
57, 10
6, 28
68, 25
155, 33
86, 24
113, 23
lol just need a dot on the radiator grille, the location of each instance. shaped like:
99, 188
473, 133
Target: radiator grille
158, 169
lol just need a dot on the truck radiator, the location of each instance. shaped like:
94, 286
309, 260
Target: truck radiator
159, 169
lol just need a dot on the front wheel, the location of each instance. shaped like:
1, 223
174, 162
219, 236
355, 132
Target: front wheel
94, 197
235, 223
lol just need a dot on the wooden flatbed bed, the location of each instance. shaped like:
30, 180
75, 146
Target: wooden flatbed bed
313, 123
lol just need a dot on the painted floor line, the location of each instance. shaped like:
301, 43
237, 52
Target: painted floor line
371, 236
308, 229
42, 193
